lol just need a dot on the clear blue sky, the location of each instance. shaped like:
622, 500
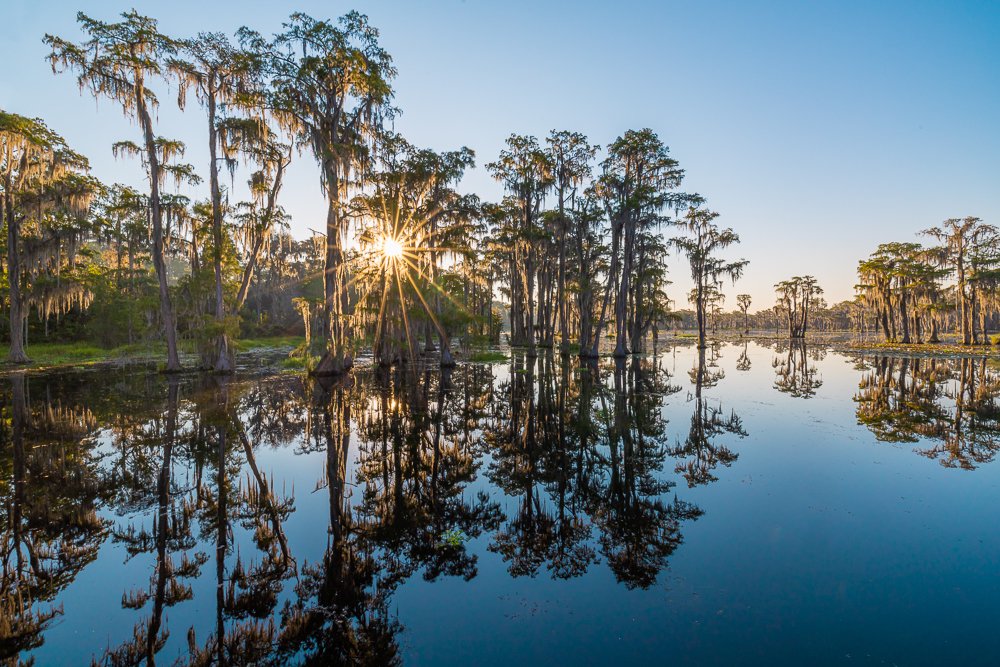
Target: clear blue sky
817, 130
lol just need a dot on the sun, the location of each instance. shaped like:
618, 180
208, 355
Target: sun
391, 248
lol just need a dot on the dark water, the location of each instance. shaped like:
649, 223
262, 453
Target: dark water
756, 505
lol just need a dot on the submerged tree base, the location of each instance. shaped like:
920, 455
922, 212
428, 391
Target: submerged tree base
219, 357
332, 365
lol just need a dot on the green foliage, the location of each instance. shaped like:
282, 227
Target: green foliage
272, 342
118, 317
488, 356
295, 363
453, 537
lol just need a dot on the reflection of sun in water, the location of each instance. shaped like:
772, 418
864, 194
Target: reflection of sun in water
391, 248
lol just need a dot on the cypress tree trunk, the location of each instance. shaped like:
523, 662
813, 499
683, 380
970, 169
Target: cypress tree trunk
609, 290
336, 360
17, 354
224, 361
904, 318
561, 288
621, 349
166, 308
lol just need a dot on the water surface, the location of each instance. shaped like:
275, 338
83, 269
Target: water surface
745, 505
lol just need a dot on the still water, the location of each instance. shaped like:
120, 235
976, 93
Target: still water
746, 505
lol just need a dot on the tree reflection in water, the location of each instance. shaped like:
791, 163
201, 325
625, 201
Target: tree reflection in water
340, 614
640, 527
554, 466
743, 363
50, 488
949, 406
583, 451
700, 453
793, 373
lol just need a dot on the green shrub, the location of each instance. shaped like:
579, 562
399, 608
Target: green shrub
487, 356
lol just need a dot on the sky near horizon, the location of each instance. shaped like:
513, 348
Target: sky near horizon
816, 129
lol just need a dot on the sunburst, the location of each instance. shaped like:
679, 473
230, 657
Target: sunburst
392, 249
396, 269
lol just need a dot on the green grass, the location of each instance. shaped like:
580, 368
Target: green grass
55, 355
488, 356
930, 349
52, 355
295, 363
275, 341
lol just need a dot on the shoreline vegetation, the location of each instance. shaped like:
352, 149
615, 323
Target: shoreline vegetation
62, 356
65, 356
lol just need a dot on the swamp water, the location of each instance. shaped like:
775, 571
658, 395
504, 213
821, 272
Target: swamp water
749, 505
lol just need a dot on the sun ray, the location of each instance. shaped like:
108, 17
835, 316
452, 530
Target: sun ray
437, 325
406, 317
381, 312
434, 284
